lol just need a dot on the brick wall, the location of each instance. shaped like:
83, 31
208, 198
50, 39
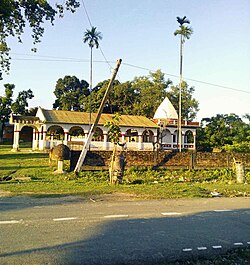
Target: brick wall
167, 159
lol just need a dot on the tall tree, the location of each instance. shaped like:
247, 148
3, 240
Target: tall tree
71, 93
121, 98
5, 103
185, 33
15, 14
189, 106
21, 103
92, 37
19, 106
150, 92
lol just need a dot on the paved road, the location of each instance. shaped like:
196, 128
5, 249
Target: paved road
73, 230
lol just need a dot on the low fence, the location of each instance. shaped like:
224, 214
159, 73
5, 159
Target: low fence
164, 159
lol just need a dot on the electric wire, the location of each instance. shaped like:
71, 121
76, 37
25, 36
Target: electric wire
65, 59
91, 25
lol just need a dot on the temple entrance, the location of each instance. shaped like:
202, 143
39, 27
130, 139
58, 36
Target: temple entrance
26, 137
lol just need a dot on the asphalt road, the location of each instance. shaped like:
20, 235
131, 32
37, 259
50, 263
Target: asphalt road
73, 230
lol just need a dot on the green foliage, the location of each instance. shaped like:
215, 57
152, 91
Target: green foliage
150, 91
32, 175
142, 96
7, 106
5, 103
114, 130
227, 132
243, 147
15, 14
184, 31
92, 37
21, 102
189, 105
71, 94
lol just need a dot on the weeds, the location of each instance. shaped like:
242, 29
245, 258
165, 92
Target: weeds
31, 173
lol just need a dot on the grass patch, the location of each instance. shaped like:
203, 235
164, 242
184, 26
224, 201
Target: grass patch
30, 173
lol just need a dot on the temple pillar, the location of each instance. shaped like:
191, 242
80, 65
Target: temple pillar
194, 135
105, 141
66, 137
140, 147
16, 137
35, 140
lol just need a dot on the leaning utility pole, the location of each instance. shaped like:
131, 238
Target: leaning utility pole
92, 129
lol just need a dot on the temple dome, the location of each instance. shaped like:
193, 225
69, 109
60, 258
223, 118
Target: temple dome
166, 110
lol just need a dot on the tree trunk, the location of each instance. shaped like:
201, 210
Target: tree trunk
116, 169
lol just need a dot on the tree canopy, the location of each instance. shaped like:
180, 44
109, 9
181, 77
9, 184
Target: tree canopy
17, 106
71, 94
189, 105
142, 96
16, 14
224, 131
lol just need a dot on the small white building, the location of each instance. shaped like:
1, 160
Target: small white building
52, 127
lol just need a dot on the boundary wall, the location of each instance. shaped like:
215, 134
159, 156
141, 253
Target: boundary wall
99, 160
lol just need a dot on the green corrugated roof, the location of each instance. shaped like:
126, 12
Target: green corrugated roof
74, 117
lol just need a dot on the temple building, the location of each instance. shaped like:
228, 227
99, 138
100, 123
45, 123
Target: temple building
52, 127
166, 118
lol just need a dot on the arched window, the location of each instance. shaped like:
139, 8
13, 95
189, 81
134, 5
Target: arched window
189, 138
166, 136
131, 135
98, 135
56, 132
76, 131
148, 136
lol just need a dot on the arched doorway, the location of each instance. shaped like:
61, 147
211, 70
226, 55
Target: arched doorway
54, 136
76, 132
131, 135
55, 132
26, 137
189, 137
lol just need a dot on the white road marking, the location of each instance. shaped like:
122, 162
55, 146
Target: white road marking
65, 219
116, 216
187, 249
238, 244
11, 222
170, 214
248, 243
216, 247
223, 210
202, 248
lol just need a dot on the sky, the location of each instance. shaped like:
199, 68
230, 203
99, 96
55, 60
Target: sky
140, 32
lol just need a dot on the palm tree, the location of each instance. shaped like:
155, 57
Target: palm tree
185, 33
92, 37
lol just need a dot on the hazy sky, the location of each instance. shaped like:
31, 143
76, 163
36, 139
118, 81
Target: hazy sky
140, 32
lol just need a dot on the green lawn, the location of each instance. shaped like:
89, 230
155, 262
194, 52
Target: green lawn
31, 174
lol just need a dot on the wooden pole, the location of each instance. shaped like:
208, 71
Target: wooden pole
92, 129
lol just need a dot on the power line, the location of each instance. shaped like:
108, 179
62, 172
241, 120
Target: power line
65, 59
88, 17
85, 9
194, 80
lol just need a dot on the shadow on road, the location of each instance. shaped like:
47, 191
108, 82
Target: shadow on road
134, 241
